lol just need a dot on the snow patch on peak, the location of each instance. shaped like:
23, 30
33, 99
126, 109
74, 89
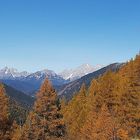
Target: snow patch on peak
11, 73
80, 71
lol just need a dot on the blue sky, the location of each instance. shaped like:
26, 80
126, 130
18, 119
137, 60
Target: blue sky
59, 34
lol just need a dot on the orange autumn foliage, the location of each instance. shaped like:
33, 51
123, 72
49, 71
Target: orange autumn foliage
111, 106
45, 121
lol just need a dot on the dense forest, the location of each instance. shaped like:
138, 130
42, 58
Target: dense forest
108, 110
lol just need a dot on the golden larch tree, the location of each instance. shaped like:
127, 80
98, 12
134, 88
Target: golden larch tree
45, 121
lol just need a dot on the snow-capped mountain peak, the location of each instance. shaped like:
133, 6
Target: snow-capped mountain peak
11, 73
80, 71
42, 73
39, 76
48, 72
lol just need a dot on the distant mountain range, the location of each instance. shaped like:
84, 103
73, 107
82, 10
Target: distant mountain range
32, 81
12, 73
66, 83
29, 83
80, 71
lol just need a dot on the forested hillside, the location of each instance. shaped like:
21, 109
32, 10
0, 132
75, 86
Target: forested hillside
68, 90
108, 110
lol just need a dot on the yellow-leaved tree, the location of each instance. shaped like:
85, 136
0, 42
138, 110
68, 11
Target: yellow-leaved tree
45, 121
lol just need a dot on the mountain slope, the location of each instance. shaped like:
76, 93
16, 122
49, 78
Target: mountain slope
19, 85
19, 104
78, 72
19, 96
69, 89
